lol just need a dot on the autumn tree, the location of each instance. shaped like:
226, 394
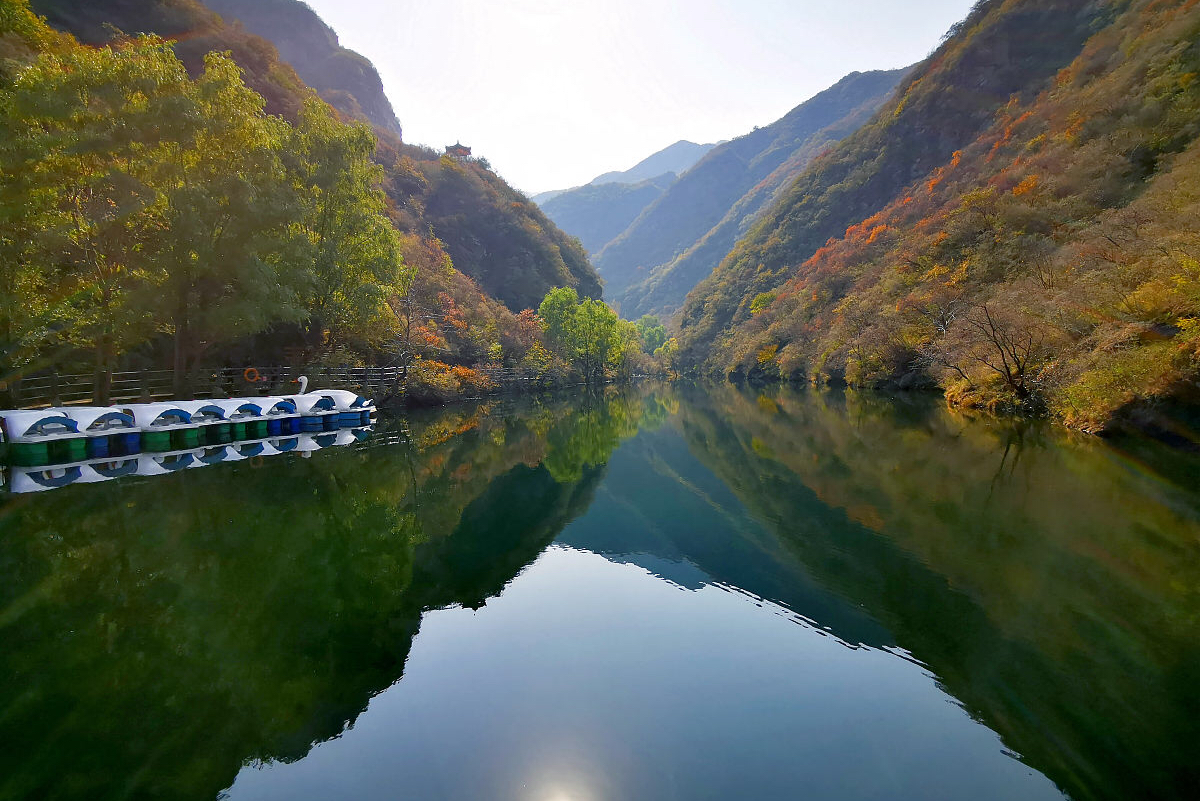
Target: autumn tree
230, 210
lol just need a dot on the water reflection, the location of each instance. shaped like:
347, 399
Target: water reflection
25, 479
160, 635
1052, 587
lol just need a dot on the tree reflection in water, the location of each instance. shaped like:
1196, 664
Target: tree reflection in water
160, 635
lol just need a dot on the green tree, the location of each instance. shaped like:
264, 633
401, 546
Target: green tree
587, 334
667, 356
81, 128
557, 311
228, 221
651, 332
353, 250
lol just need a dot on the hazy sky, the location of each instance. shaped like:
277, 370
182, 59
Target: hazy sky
553, 93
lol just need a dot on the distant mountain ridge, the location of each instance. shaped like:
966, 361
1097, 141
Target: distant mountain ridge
677, 158
681, 237
597, 213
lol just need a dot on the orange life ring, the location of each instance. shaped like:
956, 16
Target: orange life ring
251, 375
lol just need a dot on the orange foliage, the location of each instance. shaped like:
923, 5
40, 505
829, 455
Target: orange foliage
471, 377
1026, 186
451, 313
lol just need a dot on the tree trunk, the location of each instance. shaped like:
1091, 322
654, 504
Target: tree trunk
180, 382
102, 389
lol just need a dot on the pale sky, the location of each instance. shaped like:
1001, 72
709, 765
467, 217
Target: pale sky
555, 92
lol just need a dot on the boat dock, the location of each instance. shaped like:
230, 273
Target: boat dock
58, 446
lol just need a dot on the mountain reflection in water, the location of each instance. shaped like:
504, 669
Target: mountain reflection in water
688, 592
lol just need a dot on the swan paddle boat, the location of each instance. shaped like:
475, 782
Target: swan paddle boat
40, 437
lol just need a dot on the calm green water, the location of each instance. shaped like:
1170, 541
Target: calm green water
687, 593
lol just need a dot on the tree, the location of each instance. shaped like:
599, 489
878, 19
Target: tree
557, 311
227, 233
587, 334
352, 251
596, 338
1010, 344
82, 128
651, 332
668, 356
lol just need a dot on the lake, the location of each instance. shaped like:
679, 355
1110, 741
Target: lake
664, 592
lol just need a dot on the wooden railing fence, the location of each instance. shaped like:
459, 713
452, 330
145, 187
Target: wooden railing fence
144, 386
381, 384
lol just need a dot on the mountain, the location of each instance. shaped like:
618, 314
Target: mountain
674, 159
683, 235
500, 242
1020, 226
543, 197
344, 79
600, 210
492, 232
597, 213
677, 158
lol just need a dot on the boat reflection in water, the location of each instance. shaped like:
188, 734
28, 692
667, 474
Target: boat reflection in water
92, 471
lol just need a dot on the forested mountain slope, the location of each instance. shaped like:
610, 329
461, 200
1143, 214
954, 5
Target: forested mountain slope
1021, 225
706, 193
346, 80
597, 213
761, 165
492, 234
